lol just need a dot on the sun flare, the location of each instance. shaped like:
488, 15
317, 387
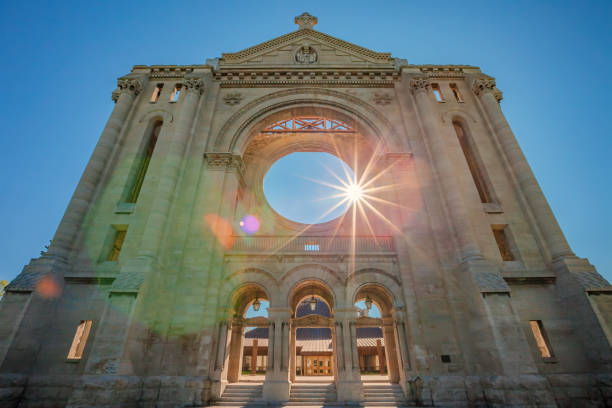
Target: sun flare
354, 192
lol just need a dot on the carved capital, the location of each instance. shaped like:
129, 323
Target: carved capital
484, 85
132, 86
419, 85
225, 161
193, 84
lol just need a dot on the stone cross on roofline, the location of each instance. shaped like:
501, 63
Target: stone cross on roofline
306, 20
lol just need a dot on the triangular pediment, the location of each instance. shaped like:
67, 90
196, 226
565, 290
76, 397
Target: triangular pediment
306, 48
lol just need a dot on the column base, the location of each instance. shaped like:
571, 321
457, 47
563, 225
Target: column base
349, 391
276, 390
216, 389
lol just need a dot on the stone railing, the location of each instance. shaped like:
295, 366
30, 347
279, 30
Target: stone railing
313, 244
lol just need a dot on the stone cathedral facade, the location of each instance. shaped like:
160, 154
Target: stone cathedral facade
140, 299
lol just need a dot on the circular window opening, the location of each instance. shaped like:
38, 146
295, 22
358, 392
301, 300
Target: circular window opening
305, 187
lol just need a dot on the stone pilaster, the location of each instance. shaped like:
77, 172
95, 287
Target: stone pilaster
555, 241
468, 246
63, 241
348, 386
276, 386
220, 360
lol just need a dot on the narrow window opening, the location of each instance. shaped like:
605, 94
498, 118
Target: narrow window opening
456, 92
499, 231
117, 244
143, 165
176, 93
156, 92
437, 93
445, 358
479, 180
537, 328
79, 340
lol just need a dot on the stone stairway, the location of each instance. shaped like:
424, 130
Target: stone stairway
383, 394
312, 394
241, 394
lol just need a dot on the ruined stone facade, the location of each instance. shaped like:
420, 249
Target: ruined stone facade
471, 257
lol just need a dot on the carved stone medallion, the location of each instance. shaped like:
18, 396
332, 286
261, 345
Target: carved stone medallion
306, 55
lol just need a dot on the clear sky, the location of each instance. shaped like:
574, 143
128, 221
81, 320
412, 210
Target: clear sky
61, 59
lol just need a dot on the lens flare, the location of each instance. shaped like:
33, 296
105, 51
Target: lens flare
221, 229
48, 287
249, 224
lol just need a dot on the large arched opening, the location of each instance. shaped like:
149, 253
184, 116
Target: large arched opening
378, 351
246, 357
312, 341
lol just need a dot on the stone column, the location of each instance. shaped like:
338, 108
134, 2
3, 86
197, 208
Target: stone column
391, 352
254, 357
276, 386
381, 357
555, 240
63, 240
219, 380
402, 342
234, 367
468, 245
349, 386
292, 354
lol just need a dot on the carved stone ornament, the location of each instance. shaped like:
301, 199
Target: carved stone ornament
382, 99
224, 161
306, 20
419, 85
129, 85
483, 85
306, 55
233, 98
193, 84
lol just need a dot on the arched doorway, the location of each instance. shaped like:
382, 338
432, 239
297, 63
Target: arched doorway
247, 315
312, 342
373, 296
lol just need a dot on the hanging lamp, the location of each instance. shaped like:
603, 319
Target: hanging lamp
368, 302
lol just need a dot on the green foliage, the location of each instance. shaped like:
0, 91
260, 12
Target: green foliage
3, 284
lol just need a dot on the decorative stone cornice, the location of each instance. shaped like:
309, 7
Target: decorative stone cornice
419, 84
169, 72
343, 78
484, 85
193, 84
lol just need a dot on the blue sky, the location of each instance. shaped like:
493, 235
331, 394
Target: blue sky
61, 59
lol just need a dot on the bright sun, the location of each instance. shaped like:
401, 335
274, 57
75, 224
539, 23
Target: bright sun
354, 192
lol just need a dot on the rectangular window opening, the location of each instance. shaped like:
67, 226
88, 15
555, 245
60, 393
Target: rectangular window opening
156, 92
456, 92
117, 244
541, 339
499, 231
79, 340
311, 246
437, 93
176, 93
